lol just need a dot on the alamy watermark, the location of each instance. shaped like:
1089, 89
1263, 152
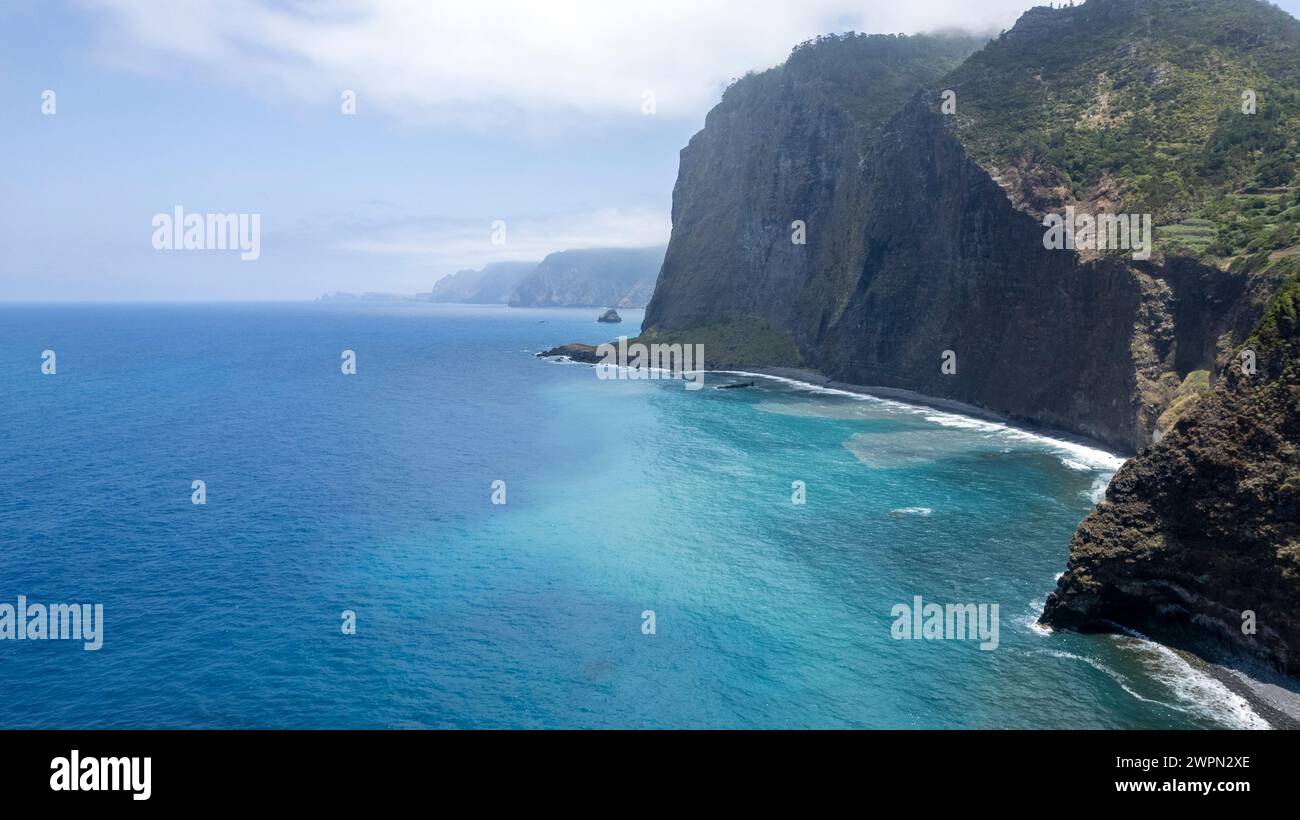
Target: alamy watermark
179, 231
1086, 232
653, 361
53, 622
75, 773
946, 622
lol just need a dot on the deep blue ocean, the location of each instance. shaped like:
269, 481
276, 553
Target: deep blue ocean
373, 493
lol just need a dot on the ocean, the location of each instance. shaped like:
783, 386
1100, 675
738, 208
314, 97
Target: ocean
649, 567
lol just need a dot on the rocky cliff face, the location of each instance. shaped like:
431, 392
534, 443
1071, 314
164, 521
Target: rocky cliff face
1198, 538
598, 277
878, 242
914, 251
784, 146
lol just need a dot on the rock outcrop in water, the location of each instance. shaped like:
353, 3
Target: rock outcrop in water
609, 317
574, 351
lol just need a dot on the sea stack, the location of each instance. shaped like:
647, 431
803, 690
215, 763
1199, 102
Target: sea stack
610, 316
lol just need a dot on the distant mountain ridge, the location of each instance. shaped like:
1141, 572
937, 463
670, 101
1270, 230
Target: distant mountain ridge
598, 277
595, 277
491, 284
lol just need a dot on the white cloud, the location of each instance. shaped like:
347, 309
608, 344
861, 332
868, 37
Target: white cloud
493, 62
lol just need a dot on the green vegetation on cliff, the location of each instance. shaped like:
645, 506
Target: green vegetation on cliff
1137, 105
869, 76
1281, 318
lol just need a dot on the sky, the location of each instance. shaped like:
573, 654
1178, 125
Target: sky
560, 120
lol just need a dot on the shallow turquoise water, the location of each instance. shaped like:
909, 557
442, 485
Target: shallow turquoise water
372, 493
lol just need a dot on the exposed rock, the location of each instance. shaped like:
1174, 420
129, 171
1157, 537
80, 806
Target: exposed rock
913, 248
574, 351
1203, 527
927, 255
611, 316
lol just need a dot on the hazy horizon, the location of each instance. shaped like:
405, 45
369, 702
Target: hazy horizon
564, 123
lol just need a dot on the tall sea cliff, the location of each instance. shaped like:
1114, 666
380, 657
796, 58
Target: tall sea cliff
874, 208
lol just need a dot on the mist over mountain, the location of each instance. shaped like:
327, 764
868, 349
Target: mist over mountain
597, 277
491, 284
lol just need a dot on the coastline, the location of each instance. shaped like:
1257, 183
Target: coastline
813, 379
1273, 702
580, 353
1264, 691
1277, 705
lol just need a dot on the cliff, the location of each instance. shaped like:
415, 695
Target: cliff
876, 231
597, 277
1198, 538
922, 230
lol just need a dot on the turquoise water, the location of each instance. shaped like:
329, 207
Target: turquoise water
373, 493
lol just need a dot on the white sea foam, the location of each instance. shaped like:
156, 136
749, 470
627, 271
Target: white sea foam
1204, 695
1030, 621
1097, 491
815, 409
912, 511
963, 422
1073, 454
1119, 679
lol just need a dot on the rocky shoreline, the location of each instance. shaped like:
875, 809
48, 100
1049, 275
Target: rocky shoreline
586, 354
1197, 541
574, 351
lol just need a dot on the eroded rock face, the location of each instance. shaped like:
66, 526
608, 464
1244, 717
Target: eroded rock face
1203, 527
913, 250
836, 201
768, 193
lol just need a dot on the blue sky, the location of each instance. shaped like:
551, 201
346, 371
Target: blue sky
466, 113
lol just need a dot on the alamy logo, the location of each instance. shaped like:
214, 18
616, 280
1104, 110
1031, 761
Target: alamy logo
951, 622
53, 622
179, 231
1085, 232
654, 361
102, 774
